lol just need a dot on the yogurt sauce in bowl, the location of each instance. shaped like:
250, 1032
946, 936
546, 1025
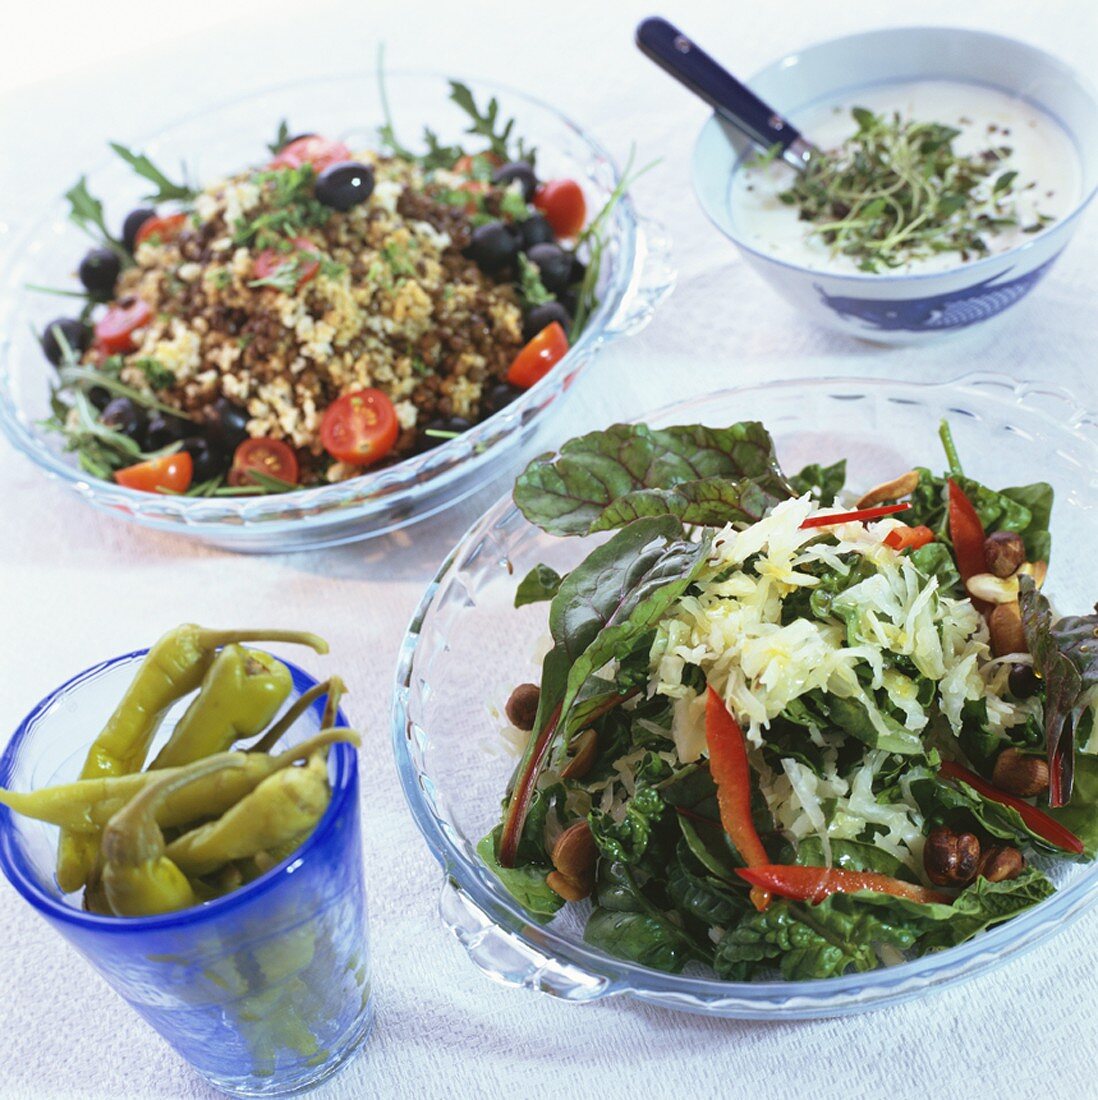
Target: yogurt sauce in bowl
1047, 187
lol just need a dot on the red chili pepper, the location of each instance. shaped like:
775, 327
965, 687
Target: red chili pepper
813, 884
908, 538
859, 516
967, 533
732, 774
1037, 820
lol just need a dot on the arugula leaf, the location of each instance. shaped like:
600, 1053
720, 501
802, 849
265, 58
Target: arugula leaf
526, 884
487, 124
281, 138
166, 191
823, 482
607, 478
86, 211
541, 583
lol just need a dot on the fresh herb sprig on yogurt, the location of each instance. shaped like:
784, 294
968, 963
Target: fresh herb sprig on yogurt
897, 191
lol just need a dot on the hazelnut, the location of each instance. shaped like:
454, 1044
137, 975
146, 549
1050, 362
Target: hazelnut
1020, 774
951, 859
992, 589
583, 751
522, 707
902, 486
1007, 634
1004, 552
1001, 862
574, 856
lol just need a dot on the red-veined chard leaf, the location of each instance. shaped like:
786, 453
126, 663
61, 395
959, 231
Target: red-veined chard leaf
609, 478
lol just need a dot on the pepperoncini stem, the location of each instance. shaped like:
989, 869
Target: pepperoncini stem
296, 709
213, 639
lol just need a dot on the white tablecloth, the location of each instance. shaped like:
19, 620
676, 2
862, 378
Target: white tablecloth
76, 586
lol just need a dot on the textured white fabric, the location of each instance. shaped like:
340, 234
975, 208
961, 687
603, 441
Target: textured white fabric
76, 586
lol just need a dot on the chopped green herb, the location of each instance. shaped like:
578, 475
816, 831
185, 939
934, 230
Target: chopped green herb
159, 376
166, 191
897, 191
281, 138
530, 287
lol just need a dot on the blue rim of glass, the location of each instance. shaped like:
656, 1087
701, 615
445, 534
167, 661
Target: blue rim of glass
767, 999
343, 783
594, 334
885, 278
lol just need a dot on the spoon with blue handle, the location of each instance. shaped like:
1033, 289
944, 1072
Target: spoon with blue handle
692, 67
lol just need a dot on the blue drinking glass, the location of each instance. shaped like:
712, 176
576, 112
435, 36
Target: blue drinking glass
263, 991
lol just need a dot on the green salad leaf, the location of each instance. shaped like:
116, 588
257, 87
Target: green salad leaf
1080, 815
166, 190
823, 482
609, 478
526, 883
541, 583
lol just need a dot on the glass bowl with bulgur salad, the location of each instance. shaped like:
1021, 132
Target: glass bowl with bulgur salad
283, 338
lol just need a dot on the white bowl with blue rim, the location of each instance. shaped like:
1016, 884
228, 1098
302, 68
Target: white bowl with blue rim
915, 307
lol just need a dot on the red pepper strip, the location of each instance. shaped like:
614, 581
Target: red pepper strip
1037, 820
813, 884
908, 538
527, 781
967, 533
855, 517
732, 774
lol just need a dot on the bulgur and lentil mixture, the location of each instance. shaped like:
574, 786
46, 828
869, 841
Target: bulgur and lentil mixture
326, 311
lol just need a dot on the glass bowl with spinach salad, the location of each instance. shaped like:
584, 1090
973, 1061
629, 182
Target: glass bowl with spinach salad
367, 311
773, 722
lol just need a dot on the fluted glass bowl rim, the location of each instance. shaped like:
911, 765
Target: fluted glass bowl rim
370, 494
712, 996
343, 772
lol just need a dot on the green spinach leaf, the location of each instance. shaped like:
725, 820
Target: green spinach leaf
823, 482
525, 883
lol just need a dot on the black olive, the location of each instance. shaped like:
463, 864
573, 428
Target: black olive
1023, 681
579, 269
517, 170
99, 397
345, 184
209, 460
554, 264
492, 247
99, 271
122, 415
535, 230
540, 316
227, 424
135, 219
73, 330
499, 397
163, 429
569, 299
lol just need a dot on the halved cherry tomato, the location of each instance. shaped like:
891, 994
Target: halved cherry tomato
270, 260
538, 357
268, 456
909, 538
563, 204
170, 473
164, 228
466, 165
114, 330
311, 149
360, 428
